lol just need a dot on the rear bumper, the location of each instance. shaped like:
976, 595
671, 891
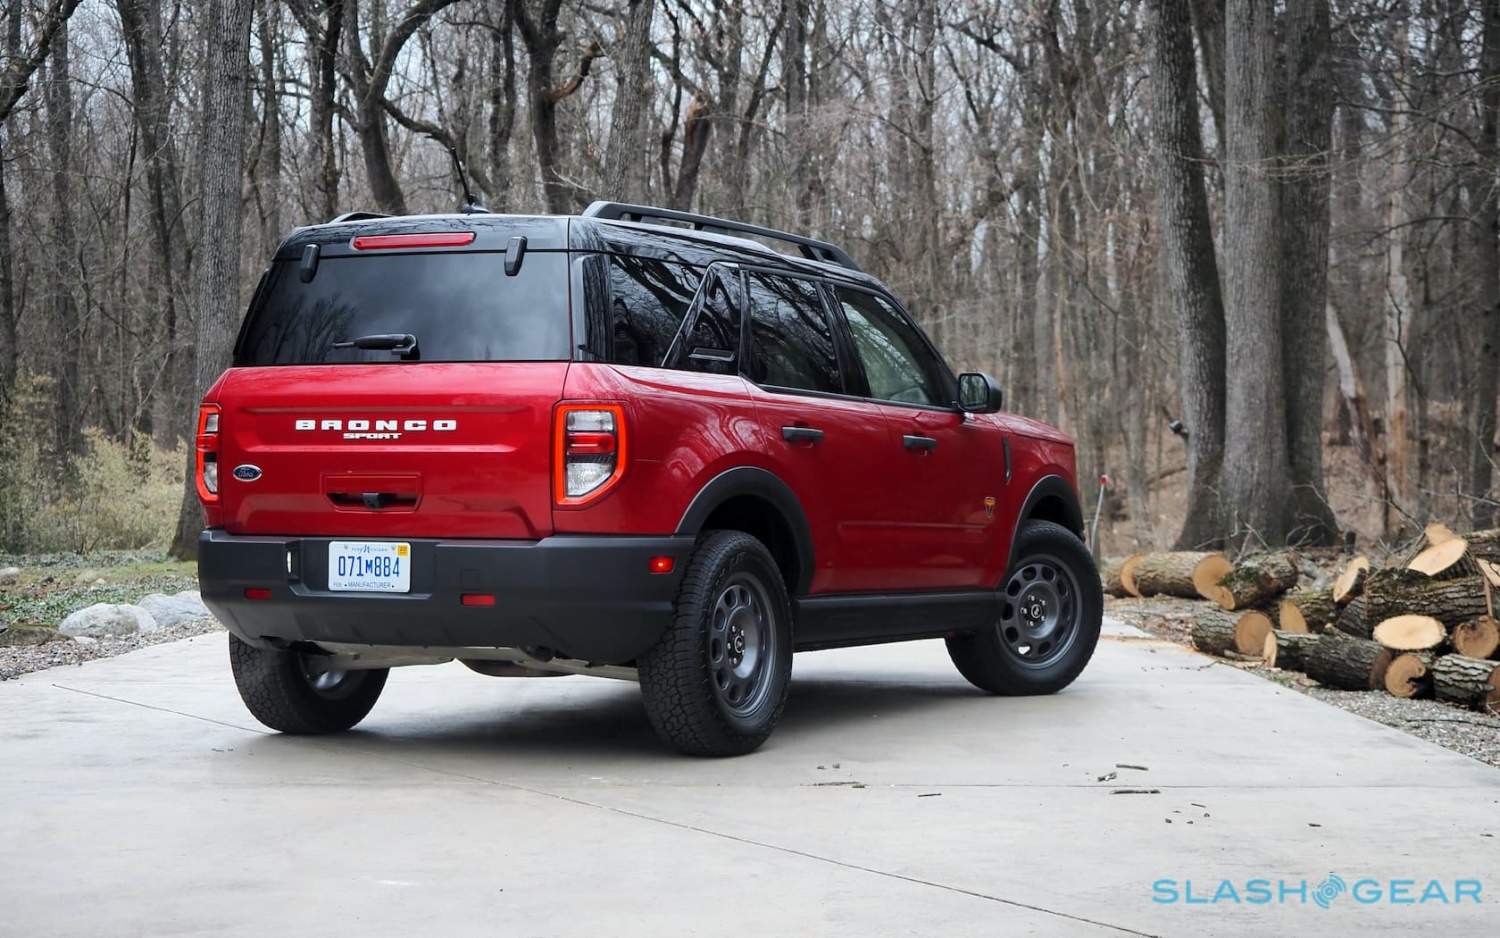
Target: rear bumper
586, 597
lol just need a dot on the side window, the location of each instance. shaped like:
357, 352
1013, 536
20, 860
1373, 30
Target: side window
791, 341
647, 300
712, 345
898, 364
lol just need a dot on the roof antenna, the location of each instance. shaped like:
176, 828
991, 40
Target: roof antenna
471, 205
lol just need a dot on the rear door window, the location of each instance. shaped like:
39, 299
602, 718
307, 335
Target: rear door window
460, 306
712, 341
648, 299
791, 339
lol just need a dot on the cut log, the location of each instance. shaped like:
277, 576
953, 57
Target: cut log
1478, 637
1467, 681
1347, 663
1178, 573
1306, 611
1437, 533
1410, 633
1250, 631
1351, 582
1485, 545
1214, 631
1127, 574
1289, 650
1255, 580
1448, 559
1410, 675
1397, 591
1491, 571
1109, 575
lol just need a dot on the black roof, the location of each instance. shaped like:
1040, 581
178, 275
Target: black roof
577, 232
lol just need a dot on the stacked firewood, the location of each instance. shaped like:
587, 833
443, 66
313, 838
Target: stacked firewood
1425, 626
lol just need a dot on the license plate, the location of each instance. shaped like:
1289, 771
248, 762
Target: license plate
369, 567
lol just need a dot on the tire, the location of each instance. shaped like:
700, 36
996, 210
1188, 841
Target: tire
1027, 651
704, 694
281, 691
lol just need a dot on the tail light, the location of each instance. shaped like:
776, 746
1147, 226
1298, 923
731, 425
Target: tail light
207, 446
589, 451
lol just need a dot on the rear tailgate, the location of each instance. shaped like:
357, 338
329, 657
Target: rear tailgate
412, 450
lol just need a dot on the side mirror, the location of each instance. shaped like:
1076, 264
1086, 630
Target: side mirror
978, 393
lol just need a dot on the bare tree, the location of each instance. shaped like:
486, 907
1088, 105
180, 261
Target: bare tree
1486, 228
1192, 272
1255, 485
221, 162
67, 357
627, 164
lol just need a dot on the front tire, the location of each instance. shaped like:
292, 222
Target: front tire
715, 684
1051, 606
287, 691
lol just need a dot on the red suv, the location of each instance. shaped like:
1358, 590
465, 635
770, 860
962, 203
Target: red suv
635, 443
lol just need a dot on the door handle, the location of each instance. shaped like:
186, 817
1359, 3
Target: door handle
809, 435
924, 443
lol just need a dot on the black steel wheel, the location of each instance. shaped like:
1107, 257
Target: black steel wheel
1050, 607
715, 683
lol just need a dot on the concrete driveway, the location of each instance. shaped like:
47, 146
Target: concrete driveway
139, 798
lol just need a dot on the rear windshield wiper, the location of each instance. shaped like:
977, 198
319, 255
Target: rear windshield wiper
402, 343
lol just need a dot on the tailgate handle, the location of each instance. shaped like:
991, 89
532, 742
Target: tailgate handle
373, 501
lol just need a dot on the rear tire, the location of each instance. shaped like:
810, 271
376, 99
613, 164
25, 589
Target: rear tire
287, 692
715, 684
1051, 606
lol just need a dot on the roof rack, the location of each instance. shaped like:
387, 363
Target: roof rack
810, 247
357, 216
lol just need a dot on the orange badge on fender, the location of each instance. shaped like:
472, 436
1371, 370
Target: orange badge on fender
989, 506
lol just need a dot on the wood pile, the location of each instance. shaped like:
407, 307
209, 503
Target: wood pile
1424, 626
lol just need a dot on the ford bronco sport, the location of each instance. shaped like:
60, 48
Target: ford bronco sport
635, 443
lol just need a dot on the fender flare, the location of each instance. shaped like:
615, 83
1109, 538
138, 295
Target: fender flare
1049, 486
760, 483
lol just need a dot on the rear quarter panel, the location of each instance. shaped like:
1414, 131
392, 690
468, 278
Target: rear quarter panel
683, 429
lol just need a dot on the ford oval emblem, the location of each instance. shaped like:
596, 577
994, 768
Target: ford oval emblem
247, 473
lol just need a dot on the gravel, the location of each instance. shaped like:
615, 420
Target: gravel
1474, 734
60, 650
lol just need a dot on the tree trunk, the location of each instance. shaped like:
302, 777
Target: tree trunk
10, 338
1191, 269
1485, 325
1347, 663
1467, 681
67, 354
268, 165
1397, 305
1255, 489
141, 23
374, 145
221, 169
1305, 186
627, 161
324, 48
539, 32
502, 109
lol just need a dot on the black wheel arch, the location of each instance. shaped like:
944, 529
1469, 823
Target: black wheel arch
1051, 499
758, 502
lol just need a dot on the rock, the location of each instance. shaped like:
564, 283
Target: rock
174, 610
85, 640
9, 575
21, 636
87, 576
108, 620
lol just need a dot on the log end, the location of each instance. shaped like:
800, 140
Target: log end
1251, 631
1476, 638
1290, 618
1207, 574
1410, 633
1406, 676
1347, 583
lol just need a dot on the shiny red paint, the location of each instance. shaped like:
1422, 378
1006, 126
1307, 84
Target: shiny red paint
487, 477
883, 517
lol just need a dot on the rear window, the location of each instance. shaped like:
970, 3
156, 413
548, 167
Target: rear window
461, 307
